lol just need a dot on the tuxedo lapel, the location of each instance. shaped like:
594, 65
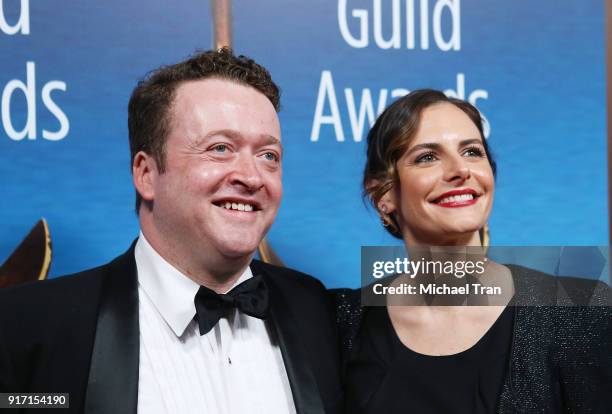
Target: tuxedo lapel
113, 375
306, 395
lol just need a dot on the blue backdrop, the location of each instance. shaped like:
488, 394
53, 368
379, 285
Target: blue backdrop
536, 71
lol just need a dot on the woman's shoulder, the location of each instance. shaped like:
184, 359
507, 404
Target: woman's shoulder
536, 288
572, 314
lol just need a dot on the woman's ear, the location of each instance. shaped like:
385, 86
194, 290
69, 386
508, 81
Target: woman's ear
386, 205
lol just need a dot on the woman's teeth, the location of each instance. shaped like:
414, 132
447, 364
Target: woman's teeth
456, 198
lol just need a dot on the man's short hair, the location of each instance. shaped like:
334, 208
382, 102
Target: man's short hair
151, 101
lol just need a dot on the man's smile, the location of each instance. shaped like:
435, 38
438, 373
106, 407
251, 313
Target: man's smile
237, 204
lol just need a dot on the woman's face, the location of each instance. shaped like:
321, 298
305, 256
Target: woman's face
446, 183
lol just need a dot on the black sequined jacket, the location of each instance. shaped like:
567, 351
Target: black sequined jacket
561, 355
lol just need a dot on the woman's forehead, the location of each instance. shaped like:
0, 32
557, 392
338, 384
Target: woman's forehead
444, 123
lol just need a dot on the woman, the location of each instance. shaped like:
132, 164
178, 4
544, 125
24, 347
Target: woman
430, 176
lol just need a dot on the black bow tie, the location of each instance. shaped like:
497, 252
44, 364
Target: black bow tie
250, 297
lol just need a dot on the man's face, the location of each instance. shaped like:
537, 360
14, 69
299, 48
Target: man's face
221, 188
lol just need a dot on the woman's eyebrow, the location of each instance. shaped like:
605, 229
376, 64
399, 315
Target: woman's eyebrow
434, 145
425, 145
470, 141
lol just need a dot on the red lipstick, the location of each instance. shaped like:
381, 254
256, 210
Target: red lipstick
457, 202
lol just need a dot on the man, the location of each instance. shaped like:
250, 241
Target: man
185, 321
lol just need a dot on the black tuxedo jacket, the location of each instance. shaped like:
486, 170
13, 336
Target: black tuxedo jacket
79, 334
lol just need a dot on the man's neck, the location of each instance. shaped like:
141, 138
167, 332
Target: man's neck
221, 276
213, 271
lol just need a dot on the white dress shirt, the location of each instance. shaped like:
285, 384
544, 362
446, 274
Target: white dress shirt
233, 369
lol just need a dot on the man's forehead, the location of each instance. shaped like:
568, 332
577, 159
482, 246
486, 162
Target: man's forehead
208, 82
214, 106
198, 91
214, 92
215, 88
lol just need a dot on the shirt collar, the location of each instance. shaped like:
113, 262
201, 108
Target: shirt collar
171, 292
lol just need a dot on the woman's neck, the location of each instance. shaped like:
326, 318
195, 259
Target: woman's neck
456, 240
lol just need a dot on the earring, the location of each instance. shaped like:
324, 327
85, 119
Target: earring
383, 219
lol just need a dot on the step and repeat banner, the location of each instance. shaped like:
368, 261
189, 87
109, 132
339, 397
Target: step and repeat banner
535, 70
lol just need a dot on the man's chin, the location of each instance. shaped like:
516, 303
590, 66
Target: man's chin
238, 250
238, 242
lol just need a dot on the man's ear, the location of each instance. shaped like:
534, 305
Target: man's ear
144, 175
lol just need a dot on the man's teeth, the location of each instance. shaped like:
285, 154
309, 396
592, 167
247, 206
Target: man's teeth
237, 206
456, 198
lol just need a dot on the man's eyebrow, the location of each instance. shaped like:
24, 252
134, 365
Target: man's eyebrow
270, 140
229, 133
434, 145
235, 135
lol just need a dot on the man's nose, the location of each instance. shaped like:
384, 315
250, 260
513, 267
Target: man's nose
246, 173
456, 168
